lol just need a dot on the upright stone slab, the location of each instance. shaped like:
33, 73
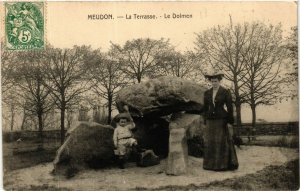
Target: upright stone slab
179, 127
177, 158
87, 145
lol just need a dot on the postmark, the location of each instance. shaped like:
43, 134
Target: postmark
24, 25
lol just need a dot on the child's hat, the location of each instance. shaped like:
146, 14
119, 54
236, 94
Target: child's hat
123, 116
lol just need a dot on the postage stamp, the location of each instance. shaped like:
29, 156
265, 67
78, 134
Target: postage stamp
24, 25
149, 95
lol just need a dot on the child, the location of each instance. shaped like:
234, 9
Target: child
123, 138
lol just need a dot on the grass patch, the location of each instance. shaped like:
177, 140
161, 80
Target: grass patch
27, 159
284, 177
27, 154
289, 141
46, 187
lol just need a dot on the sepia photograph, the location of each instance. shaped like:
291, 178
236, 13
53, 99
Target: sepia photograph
149, 95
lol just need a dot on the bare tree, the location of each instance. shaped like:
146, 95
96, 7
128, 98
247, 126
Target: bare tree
180, 65
221, 47
66, 78
291, 44
29, 78
264, 75
108, 79
139, 56
7, 69
11, 106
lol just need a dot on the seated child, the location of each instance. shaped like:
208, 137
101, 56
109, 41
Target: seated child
123, 137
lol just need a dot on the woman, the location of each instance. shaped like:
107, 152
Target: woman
219, 151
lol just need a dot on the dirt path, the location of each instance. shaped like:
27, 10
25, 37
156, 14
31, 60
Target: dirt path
251, 159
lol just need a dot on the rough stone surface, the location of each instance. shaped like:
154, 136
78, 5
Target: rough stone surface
182, 126
195, 135
161, 96
88, 144
148, 158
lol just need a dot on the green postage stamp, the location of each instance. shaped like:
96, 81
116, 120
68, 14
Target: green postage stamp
24, 25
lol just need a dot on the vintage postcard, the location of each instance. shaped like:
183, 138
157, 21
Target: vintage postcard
170, 95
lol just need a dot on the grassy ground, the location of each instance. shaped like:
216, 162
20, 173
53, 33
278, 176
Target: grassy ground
27, 153
284, 177
46, 187
290, 141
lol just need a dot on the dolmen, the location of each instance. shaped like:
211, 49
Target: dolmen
158, 106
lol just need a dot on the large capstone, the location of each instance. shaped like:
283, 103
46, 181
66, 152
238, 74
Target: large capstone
161, 96
87, 145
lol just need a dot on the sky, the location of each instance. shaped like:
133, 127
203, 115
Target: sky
67, 24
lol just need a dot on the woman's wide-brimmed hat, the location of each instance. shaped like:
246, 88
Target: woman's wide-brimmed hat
214, 74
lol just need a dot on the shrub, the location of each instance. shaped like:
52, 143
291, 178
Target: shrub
292, 142
282, 142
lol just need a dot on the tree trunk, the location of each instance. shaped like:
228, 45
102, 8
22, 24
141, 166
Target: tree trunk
12, 117
238, 118
69, 119
253, 109
40, 121
139, 78
23, 120
109, 108
251, 131
238, 104
62, 123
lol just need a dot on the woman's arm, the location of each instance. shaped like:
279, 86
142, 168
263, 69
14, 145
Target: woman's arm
229, 106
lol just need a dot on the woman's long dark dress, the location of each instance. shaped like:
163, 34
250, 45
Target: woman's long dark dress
219, 151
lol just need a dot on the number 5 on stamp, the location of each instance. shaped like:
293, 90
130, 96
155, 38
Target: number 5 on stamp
24, 25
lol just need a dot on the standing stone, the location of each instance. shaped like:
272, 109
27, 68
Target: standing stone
177, 158
180, 126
